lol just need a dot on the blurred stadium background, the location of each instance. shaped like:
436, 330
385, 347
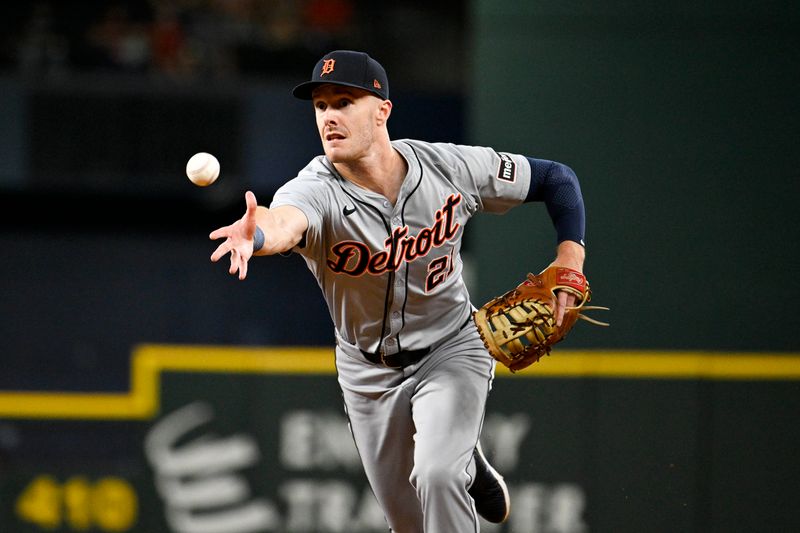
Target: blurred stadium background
145, 390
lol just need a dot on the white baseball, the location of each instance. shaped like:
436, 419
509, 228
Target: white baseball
202, 169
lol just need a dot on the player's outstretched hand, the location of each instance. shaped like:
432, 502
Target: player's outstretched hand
238, 239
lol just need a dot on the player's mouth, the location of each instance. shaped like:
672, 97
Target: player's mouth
334, 136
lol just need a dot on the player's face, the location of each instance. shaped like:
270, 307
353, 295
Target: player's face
347, 121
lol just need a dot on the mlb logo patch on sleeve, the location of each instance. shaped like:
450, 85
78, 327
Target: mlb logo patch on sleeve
508, 169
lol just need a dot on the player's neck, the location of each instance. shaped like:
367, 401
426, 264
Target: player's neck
382, 171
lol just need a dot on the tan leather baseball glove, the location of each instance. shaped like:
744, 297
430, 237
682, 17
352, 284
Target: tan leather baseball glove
519, 327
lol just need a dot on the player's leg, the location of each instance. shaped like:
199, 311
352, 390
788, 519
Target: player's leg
379, 413
448, 407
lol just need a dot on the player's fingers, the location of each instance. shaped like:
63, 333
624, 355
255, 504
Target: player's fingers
242, 268
234, 262
561, 307
221, 250
572, 300
220, 232
250, 201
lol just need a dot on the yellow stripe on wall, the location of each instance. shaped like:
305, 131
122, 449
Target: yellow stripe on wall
142, 401
665, 365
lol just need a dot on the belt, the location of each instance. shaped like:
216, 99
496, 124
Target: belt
404, 358
397, 360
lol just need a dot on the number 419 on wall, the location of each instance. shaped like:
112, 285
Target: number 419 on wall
109, 504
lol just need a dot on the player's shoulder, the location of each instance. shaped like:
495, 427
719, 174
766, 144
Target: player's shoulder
315, 184
318, 169
441, 154
317, 173
439, 148
427, 152
423, 147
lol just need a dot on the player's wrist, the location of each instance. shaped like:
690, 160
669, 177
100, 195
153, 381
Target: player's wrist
258, 239
570, 254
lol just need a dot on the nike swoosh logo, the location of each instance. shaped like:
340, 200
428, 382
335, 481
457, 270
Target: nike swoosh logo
347, 211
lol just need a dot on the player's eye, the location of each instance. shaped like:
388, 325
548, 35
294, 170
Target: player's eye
320, 106
344, 102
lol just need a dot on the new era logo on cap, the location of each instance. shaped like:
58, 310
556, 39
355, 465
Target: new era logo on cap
348, 68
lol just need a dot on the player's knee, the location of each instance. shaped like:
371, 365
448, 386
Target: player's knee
435, 476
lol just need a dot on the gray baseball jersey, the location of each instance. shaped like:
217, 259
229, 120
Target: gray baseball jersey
391, 274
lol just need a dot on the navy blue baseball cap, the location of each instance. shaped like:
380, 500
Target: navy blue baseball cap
348, 68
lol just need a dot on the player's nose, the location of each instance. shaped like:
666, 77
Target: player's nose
329, 116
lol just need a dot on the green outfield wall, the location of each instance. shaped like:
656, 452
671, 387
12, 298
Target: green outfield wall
235, 440
682, 121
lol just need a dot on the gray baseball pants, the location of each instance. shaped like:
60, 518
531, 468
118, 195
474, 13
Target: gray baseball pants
415, 429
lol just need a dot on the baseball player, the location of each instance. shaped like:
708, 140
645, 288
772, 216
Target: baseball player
380, 223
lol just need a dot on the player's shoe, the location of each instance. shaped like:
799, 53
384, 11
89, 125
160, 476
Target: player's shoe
489, 490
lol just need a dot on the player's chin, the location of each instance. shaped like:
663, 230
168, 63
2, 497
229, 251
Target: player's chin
336, 152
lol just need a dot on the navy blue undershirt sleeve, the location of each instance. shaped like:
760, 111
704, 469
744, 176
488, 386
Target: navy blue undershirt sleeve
557, 186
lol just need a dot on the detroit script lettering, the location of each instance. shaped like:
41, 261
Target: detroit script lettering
354, 258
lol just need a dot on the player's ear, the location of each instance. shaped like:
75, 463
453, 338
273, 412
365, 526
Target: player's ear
383, 112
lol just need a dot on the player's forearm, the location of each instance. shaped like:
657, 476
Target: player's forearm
557, 186
281, 230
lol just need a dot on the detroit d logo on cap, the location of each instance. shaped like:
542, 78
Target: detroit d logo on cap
327, 66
